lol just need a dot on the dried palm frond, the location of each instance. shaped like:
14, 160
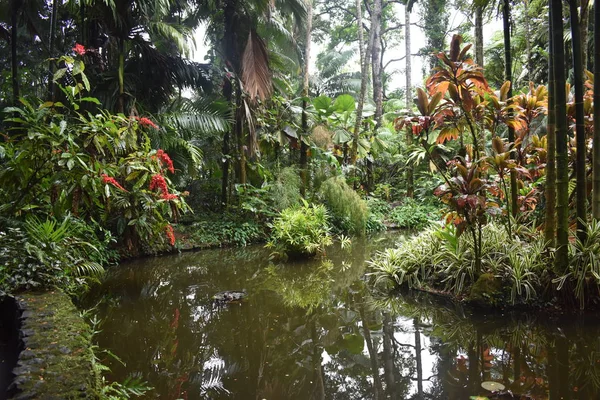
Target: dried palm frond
256, 74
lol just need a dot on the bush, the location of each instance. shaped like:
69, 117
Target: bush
43, 254
349, 212
413, 215
222, 230
301, 231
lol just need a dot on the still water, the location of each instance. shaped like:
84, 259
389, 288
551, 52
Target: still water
314, 330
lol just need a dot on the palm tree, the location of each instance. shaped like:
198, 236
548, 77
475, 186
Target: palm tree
550, 193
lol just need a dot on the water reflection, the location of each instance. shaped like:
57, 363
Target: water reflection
313, 331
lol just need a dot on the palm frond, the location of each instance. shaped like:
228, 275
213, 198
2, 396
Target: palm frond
256, 74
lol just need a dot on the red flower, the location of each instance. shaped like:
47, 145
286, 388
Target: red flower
79, 49
165, 159
112, 181
146, 122
158, 182
168, 196
170, 234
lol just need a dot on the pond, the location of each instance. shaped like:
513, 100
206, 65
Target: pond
314, 330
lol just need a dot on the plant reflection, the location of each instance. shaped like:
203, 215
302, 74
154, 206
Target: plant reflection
314, 331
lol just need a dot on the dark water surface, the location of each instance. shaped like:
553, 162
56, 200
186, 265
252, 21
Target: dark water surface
314, 331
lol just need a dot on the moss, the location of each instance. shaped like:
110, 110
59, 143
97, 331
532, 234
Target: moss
56, 358
486, 291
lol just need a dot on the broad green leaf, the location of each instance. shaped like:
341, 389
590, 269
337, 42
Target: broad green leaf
344, 103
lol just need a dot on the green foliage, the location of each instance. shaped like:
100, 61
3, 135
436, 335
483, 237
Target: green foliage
131, 387
98, 167
584, 265
408, 264
52, 253
413, 215
349, 212
440, 258
301, 231
285, 191
378, 210
221, 230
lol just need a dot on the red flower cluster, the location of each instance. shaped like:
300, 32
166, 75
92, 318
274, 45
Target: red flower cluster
112, 181
159, 183
79, 49
165, 159
170, 234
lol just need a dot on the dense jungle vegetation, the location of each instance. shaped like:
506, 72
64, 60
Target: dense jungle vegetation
295, 130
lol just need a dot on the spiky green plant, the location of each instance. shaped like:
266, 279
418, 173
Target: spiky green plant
349, 212
301, 231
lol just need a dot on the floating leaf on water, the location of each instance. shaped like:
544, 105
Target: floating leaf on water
492, 386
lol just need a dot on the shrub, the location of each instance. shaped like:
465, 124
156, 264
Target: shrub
285, 191
222, 230
349, 212
42, 254
413, 215
301, 231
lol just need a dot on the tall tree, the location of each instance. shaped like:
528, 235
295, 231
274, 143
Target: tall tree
364, 76
305, 87
410, 190
550, 192
562, 161
508, 76
579, 121
14, 29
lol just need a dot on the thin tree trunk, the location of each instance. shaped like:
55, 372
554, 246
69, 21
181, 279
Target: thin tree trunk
230, 55
363, 83
16, 6
596, 148
479, 35
240, 137
377, 77
528, 40
584, 17
579, 122
121, 75
51, 63
305, 86
508, 76
562, 161
550, 193
410, 170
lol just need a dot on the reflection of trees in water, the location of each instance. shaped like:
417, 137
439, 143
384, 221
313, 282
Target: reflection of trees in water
311, 331
534, 356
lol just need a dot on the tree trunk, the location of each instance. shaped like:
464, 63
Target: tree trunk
579, 122
121, 75
596, 148
363, 82
508, 76
584, 17
230, 60
240, 137
303, 146
52, 37
562, 161
377, 78
410, 170
528, 40
550, 193
479, 35
14, 30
